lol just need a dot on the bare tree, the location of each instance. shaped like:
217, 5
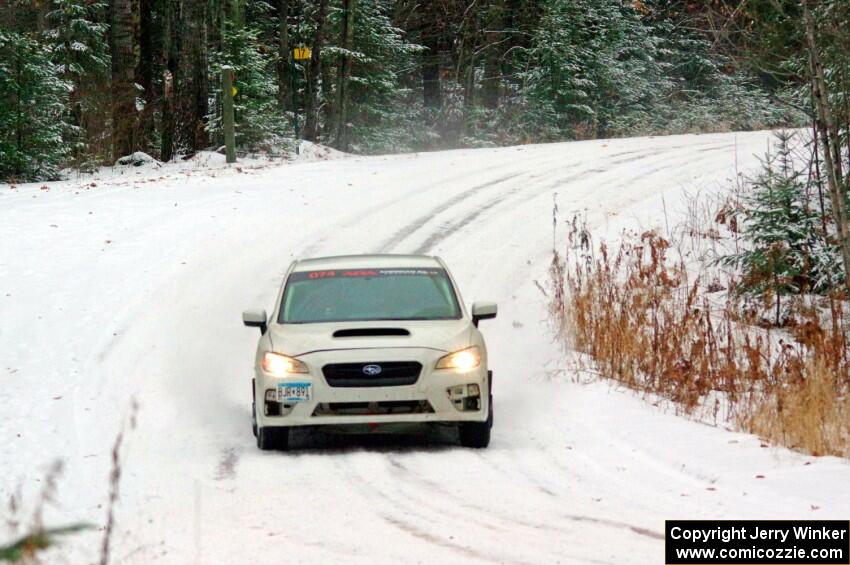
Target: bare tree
830, 140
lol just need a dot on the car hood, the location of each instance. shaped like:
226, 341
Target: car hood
301, 339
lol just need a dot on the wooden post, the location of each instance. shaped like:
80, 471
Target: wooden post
227, 113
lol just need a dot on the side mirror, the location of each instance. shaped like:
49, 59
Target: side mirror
483, 311
255, 319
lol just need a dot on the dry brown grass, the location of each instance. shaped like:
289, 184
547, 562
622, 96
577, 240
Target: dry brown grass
649, 327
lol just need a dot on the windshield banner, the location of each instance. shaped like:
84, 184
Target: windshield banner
347, 273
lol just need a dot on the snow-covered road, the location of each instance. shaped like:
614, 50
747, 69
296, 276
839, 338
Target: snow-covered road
133, 286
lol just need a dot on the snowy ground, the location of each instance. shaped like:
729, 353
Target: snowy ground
131, 285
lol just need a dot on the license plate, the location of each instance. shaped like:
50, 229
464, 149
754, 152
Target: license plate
294, 392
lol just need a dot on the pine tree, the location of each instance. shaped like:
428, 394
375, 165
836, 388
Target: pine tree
33, 101
787, 251
259, 119
593, 68
705, 95
382, 113
77, 41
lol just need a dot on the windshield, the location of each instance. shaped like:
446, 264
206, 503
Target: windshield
368, 294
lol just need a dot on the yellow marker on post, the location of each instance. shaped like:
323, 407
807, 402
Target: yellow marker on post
301, 53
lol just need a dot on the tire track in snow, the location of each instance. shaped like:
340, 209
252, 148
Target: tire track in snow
509, 521
411, 529
449, 228
435, 237
410, 228
409, 512
398, 513
358, 217
616, 525
412, 505
227, 463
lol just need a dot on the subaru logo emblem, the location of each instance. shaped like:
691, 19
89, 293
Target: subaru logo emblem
372, 370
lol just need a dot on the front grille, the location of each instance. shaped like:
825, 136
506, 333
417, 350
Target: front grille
392, 373
381, 408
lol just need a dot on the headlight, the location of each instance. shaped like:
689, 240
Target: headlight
278, 365
463, 360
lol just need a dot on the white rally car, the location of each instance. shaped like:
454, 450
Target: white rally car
373, 340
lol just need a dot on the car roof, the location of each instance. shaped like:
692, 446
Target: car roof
376, 261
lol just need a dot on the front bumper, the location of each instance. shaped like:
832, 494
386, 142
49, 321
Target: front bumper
437, 395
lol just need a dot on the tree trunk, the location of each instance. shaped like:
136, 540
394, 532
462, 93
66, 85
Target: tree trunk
831, 142
74, 98
467, 66
124, 61
194, 105
170, 62
19, 116
146, 73
326, 110
237, 13
490, 91
311, 125
284, 58
342, 134
431, 96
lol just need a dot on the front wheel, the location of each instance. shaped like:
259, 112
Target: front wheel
477, 434
253, 407
273, 438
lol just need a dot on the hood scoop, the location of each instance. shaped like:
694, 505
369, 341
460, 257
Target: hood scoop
371, 332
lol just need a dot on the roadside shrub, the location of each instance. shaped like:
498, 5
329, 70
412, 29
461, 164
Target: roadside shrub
31, 145
788, 248
652, 326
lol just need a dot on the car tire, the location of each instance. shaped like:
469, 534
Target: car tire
273, 438
477, 434
254, 407
490, 414
490, 398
